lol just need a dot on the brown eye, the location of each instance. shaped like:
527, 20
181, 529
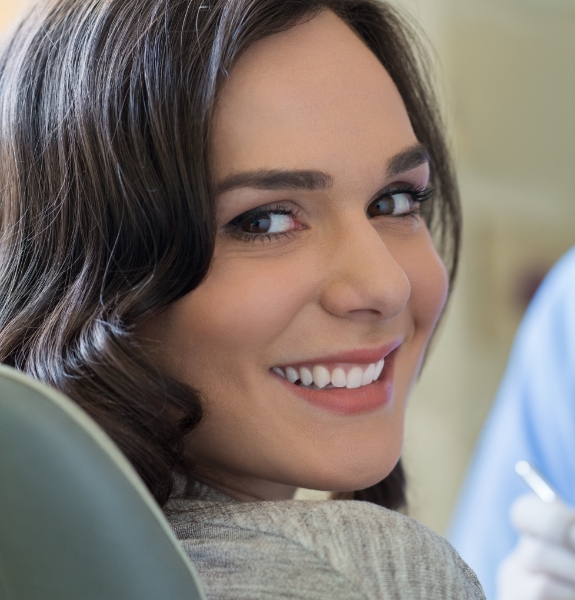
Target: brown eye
268, 222
383, 206
392, 204
257, 225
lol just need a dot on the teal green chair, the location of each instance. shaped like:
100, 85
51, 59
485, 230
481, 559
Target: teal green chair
76, 521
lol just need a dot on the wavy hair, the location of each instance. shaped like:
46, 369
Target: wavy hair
106, 212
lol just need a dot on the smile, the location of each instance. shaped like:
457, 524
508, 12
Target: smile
346, 388
316, 377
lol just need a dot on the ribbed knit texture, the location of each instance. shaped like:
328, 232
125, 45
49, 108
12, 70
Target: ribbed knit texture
314, 550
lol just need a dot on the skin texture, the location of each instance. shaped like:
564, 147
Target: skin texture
314, 98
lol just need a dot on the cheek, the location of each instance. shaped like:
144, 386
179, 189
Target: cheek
244, 305
429, 284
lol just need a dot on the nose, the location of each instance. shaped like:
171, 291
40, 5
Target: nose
362, 278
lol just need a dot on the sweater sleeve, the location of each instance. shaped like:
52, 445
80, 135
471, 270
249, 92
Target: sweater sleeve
332, 550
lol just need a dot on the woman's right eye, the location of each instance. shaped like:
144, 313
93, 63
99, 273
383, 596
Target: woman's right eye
263, 223
270, 222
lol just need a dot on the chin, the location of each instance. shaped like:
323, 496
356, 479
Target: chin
351, 478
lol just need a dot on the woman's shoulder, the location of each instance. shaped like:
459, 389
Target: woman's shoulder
378, 552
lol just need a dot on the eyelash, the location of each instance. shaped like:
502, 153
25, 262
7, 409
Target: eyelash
418, 195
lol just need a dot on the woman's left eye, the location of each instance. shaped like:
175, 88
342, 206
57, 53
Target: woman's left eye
392, 205
398, 203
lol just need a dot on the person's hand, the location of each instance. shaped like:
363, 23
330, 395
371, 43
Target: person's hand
542, 565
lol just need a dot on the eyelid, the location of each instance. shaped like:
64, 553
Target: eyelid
419, 193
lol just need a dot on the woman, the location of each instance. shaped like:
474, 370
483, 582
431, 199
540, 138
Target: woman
143, 144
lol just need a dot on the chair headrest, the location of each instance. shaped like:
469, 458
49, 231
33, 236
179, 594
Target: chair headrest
76, 521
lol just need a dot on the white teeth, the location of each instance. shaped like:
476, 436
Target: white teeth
368, 375
378, 369
321, 376
305, 376
354, 378
338, 377
292, 374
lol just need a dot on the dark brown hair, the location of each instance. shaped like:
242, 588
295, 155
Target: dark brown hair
106, 214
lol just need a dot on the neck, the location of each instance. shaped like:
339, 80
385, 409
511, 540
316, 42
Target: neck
246, 489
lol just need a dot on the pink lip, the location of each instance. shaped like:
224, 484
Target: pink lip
349, 402
362, 356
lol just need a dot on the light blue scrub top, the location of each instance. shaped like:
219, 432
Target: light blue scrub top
533, 418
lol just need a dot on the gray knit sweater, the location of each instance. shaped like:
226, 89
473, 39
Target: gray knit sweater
314, 550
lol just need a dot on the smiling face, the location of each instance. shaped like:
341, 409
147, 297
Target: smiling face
332, 270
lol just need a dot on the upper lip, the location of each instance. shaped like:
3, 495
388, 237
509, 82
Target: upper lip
358, 356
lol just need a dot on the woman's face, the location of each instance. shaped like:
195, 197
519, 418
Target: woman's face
312, 136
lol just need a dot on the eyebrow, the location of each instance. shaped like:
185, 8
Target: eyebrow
275, 179
406, 160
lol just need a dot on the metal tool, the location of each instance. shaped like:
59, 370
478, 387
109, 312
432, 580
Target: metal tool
536, 481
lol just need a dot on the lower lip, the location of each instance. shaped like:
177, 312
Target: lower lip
349, 402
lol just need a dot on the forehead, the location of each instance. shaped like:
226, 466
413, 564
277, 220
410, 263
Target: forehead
311, 97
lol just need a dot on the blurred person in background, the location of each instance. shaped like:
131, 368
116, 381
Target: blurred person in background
519, 546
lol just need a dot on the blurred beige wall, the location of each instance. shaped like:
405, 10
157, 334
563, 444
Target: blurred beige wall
9, 9
506, 67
